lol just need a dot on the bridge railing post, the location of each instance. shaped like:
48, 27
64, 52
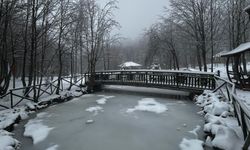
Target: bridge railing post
121, 77
11, 99
177, 79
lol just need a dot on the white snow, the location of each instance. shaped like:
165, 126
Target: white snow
103, 100
95, 109
54, 147
220, 122
71, 93
149, 104
31, 105
129, 64
227, 139
90, 121
195, 131
36, 129
243, 47
217, 108
192, 144
49, 98
214, 104
7, 142
9, 116
209, 141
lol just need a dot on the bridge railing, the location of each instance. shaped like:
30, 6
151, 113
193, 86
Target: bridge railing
157, 78
241, 111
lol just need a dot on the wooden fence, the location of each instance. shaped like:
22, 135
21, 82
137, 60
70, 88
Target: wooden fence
242, 113
45, 90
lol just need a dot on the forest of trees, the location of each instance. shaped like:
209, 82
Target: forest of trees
191, 32
46, 38
52, 38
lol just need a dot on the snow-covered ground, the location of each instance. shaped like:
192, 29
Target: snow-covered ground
8, 119
192, 144
217, 67
7, 142
220, 122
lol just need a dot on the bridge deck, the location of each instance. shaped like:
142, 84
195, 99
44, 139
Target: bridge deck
181, 80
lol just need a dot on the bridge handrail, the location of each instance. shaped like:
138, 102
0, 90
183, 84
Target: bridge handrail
158, 71
181, 80
242, 112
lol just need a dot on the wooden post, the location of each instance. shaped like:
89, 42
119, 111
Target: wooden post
243, 123
177, 79
122, 77
11, 99
247, 142
228, 94
62, 84
51, 91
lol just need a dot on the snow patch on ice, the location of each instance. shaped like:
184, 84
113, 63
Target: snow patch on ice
90, 121
54, 147
107, 97
101, 101
192, 144
94, 109
104, 99
36, 129
195, 131
150, 105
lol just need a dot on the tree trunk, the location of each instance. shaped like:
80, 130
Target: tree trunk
198, 58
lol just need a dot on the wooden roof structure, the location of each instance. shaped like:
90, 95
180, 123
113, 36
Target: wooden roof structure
238, 50
236, 66
130, 65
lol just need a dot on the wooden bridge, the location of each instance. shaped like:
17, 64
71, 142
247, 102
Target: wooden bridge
178, 80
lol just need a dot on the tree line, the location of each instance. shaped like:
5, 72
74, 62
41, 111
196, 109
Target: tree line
191, 32
52, 38
46, 38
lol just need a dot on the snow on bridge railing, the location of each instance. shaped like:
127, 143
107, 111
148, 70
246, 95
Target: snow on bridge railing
242, 112
183, 80
161, 71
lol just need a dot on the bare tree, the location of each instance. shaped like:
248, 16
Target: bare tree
100, 23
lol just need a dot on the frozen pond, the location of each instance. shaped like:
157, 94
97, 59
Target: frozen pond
116, 127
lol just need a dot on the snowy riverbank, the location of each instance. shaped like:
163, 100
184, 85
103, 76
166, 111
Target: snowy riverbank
10, 118
221, 126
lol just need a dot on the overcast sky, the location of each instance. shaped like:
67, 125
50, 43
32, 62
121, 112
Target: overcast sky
136, 15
